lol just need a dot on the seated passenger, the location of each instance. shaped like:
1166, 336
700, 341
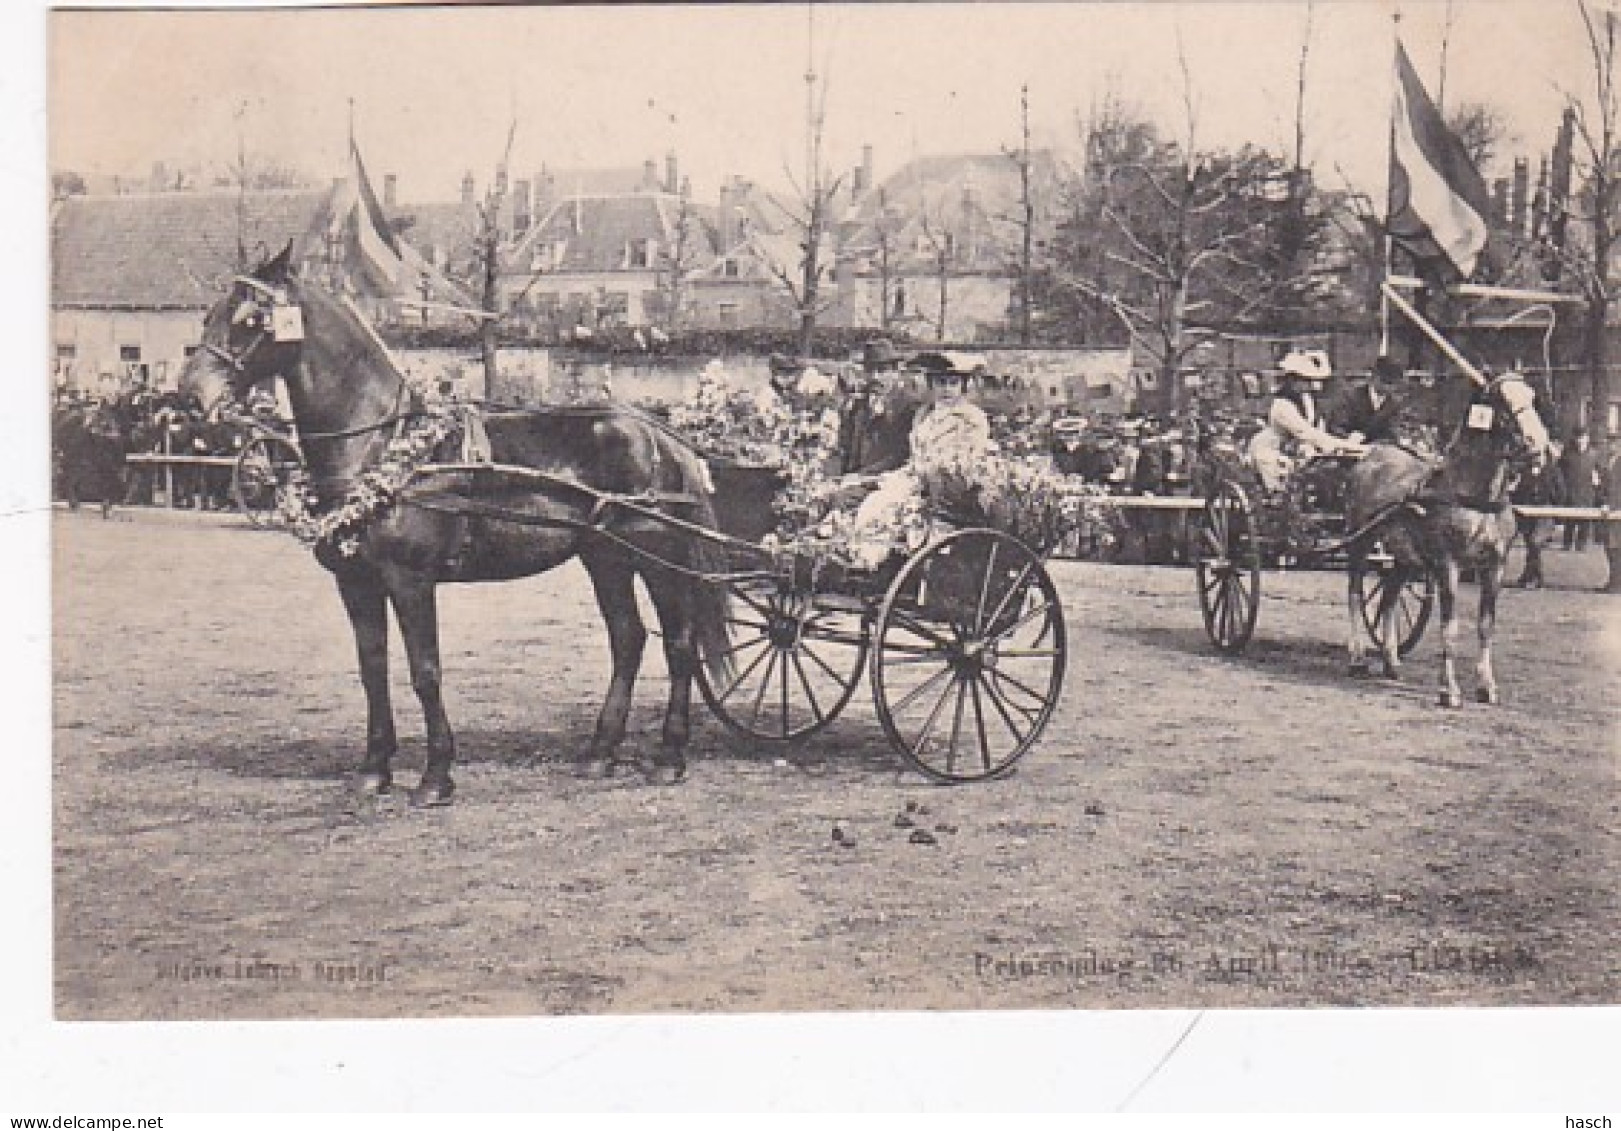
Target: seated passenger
951, 434
1294, 429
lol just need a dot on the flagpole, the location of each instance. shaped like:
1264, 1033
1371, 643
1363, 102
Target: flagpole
1390, 160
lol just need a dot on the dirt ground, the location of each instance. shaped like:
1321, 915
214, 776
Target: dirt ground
1193, 830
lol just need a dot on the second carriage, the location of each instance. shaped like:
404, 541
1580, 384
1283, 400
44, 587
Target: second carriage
1243, 529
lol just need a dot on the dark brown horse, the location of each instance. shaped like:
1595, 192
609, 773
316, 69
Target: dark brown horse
1438, 517
351, 402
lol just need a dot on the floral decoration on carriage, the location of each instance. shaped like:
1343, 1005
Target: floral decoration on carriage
797, 437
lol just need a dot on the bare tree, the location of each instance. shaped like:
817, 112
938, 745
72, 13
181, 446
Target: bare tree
811, 217
1481, 128
677, 259
1024, 219
1300, 89
1598, 126
942, 257
885, 226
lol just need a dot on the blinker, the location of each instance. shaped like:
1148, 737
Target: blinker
1481, 417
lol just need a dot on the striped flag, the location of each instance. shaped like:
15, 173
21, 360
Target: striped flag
373, 247
1439, 206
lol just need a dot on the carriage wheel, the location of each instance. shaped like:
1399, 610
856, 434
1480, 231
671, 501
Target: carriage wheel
797, 657
1414, 603
1228, 566
264, 470
968, 656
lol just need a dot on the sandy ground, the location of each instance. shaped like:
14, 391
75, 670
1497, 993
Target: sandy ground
1193, 829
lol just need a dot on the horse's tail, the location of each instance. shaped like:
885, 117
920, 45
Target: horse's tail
711, 607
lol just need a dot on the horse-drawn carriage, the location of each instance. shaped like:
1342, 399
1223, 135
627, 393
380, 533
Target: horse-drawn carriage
962, 639
1243, 528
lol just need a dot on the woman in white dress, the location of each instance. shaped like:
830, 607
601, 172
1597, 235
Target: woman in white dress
952, 435
1295, 429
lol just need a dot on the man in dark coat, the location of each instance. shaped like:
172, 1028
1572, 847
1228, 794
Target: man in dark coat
1372, 407
1580, 467
857, 428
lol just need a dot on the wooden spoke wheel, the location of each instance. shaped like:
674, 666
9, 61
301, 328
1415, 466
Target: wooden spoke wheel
1414, 598
265, 469
1227, 564
968, 656
797, 657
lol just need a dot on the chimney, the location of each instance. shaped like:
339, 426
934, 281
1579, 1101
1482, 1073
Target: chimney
467, 187
724, 216
160, 176
521, 215
391, 184
672, 178
1500, 202
1522, 191
500, 181
866, 167
545, 193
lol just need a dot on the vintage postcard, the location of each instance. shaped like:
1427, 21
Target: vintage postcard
766, 509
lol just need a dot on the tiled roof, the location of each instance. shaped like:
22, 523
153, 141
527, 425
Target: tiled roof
969, 196
171, 250
595, 231
445, 232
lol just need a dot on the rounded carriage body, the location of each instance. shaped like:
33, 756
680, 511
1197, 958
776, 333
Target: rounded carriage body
961, 640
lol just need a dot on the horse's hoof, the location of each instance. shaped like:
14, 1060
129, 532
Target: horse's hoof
1359, 669
1391, 675
665, 773
372, 784
433, 793
1486, 695
1450, 699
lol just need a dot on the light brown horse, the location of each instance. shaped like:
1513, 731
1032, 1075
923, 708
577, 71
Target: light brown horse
349, 400
1437, 517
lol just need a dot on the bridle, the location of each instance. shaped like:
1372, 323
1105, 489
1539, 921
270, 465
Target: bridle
267, 300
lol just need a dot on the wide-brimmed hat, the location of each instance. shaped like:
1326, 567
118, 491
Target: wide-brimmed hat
1306, 365
880, 353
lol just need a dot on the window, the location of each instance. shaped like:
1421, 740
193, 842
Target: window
134, 368
65, 357
639, 253
729, 269
726, 313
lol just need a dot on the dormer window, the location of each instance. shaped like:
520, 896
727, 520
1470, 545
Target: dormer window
729, 269
547, 256
639, 253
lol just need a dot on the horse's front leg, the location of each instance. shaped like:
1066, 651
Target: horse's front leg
366, 603
1356, 570
680, 655
1447, 599
1491, 584
418, 613
614, 582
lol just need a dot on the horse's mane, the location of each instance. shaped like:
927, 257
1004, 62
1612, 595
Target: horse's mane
349, 319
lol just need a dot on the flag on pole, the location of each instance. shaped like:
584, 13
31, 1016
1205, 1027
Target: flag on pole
360, 255
1439, 206
376, 250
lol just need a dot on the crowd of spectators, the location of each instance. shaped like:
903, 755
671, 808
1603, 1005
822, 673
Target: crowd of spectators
91, 433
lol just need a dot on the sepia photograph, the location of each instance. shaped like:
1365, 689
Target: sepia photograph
639, 510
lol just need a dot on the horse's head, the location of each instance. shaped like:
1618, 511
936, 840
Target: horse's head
1514, 422
254, 332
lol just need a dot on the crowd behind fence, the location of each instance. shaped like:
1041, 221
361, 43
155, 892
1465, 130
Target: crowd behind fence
1156, 470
